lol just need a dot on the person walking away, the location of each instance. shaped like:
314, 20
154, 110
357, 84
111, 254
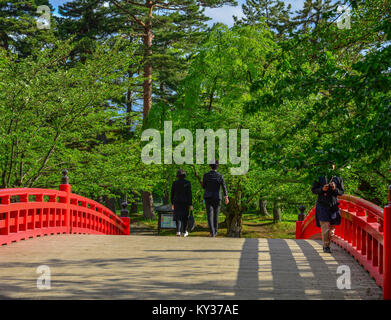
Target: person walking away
327, 213
182, 201
212, 182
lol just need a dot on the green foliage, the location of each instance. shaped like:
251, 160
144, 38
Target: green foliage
307, 91
52, 117
18, 26
273, 12
332, 95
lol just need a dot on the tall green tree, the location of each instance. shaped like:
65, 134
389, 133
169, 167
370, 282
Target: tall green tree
174, 22
174, 26
314, 13
213, 96
332, 95
51, 115
274, 13
18, 26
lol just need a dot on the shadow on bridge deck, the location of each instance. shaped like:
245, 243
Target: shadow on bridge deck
118, 267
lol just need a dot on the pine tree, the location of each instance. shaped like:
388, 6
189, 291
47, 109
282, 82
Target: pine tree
18, 25
313, 13
87, 21
168, 31
274, 13
166, 23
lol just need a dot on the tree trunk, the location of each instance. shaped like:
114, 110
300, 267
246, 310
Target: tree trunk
148, 210
166, 197
277, 211
110, 203
234, 224
263, 207
129, 110
134, 205
147, 85
234, 217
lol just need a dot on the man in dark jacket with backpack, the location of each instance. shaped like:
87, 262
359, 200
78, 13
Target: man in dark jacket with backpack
327, 211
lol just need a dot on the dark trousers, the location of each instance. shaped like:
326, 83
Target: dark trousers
212, 210
181, 225
181, 216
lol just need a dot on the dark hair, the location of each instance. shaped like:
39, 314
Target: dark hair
181, 173
214, 165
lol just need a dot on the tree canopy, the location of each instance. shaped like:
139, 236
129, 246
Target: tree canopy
78, 96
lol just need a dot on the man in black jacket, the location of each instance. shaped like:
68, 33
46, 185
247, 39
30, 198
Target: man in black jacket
211, 182
327, 211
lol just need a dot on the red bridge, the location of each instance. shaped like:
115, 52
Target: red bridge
364, 232
40, 212
149, 266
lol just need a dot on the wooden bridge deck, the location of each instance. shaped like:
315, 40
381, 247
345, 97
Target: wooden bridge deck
145, 267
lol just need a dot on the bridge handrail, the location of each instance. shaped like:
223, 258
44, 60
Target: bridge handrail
361, 233
63, 213
30, 192
369, 206
98, 206
27, 192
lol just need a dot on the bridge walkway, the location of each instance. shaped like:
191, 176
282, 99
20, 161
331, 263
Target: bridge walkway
150, 267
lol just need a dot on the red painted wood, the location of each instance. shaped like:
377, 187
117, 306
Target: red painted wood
365, 233
54, 212
387, 253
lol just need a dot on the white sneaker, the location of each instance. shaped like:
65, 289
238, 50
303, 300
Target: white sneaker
185, 234
178, 234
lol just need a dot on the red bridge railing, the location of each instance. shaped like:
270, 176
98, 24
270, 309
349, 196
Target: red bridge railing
27, 213
364, 232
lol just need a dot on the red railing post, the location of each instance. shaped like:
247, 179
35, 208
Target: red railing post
66, 187
299, 225
126, 221
387, 249
6, 200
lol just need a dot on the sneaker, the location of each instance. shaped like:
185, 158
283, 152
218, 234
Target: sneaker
178, 234
326, 250
185, 234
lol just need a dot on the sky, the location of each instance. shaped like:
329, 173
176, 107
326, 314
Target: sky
223, 14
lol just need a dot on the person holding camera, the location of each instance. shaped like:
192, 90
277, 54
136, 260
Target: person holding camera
327, 211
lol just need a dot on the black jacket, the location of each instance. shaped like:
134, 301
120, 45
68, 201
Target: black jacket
329, 198
212, 182
181, 192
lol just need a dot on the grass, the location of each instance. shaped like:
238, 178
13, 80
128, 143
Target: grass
253, 226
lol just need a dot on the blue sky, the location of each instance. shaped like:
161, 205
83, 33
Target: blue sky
223, 14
